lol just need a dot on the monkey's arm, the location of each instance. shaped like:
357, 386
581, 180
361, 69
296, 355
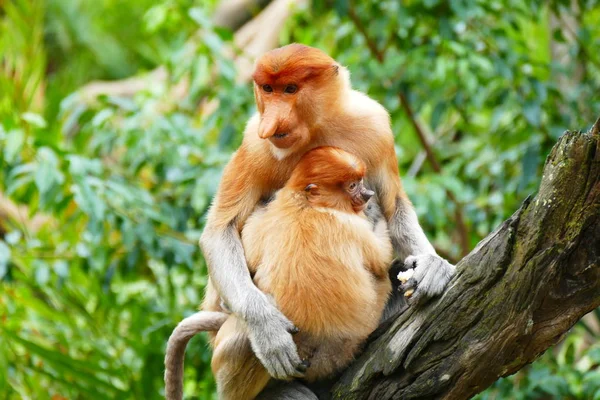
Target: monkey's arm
269, 330
432, 272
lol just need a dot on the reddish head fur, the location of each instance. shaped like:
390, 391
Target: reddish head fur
327, 167
293, 63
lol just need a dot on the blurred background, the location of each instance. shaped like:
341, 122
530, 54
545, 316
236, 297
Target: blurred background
117, 117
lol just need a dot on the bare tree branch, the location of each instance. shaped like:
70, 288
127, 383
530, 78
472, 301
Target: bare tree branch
233, 14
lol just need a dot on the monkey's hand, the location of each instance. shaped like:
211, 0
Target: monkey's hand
272, 342
425, 276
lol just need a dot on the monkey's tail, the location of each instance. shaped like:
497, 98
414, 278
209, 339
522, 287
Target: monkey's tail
183, 332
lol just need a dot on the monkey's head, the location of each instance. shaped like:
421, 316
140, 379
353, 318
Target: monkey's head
293, 86
333, 178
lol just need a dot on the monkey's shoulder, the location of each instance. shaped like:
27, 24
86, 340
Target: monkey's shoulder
360, 105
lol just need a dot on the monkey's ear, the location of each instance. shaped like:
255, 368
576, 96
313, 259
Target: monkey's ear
311, 188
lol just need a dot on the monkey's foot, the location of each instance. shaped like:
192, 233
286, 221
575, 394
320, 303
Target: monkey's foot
425, 276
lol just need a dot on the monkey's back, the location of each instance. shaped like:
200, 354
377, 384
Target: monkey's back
310, 261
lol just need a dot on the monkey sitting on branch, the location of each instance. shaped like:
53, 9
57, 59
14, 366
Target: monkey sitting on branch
304, 100
313, 251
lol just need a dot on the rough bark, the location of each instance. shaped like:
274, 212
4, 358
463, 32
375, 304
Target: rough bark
515, 295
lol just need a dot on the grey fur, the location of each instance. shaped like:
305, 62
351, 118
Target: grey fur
373, 212
432, 273
268, 329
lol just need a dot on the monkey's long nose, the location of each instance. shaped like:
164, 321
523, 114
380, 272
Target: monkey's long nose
267, 127
366, 194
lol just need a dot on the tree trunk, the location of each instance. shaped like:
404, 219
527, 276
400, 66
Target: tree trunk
512, 298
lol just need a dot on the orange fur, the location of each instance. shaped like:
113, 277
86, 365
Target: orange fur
333, 115
292, 64
325, 268
307, 102
325, 111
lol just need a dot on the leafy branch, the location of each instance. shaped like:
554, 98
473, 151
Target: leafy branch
463, 231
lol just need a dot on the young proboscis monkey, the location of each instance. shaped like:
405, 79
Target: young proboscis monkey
313, 252
322, 263
304, 100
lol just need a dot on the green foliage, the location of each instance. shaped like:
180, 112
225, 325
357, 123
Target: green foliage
568, 372
89, 298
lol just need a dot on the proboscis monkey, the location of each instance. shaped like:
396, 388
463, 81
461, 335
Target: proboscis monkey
323, 264
304, 100
315, 254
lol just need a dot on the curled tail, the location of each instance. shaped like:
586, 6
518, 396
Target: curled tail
183, 332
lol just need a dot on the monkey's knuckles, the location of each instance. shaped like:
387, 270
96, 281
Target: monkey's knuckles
429, 277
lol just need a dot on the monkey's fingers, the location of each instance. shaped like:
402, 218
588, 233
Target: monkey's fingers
292, 367
277, 370
409, 287
411, 262
432, 276
303, 366
293, 330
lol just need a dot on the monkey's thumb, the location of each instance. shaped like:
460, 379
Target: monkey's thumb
183, 332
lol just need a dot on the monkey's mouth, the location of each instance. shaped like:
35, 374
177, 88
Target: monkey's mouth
360, 199
280, 135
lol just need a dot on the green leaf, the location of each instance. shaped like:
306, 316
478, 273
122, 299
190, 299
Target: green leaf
34, 119
155, 17
437, 114
4, 258
14, 143
88, 200
198, 14
341, 7
533, 113
68, 366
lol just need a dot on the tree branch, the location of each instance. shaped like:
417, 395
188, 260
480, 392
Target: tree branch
512, 298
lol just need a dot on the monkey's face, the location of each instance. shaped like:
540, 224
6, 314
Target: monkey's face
281, 122
347, 196
358, 193
294, 87
331, 178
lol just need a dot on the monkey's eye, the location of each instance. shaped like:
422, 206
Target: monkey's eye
291, 89
267, 88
